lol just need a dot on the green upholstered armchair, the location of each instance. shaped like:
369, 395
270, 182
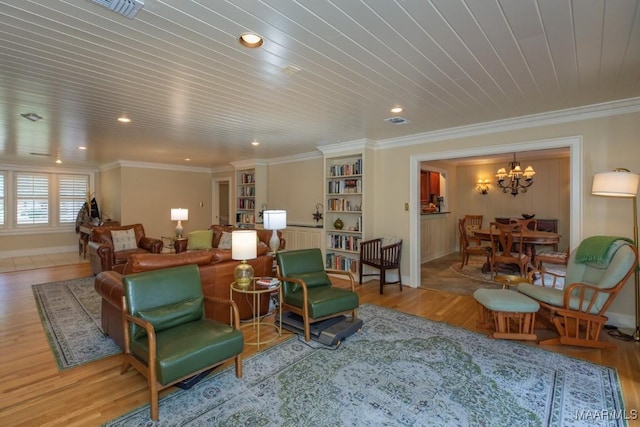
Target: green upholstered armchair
596, 271
308, 291
167, 338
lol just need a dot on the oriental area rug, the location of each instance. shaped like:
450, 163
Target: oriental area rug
400, 370
70, 314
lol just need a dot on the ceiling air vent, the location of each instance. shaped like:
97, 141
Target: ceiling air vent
397, 120
128, 8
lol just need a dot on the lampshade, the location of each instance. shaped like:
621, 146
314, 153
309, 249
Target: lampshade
244, 244
179, 214
619, 183
275, 220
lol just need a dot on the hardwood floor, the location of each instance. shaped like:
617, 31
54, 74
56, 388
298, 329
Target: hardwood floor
35, 393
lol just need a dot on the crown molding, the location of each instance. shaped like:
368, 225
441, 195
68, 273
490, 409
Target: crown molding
249, 163
147, 165
28, 167
222, 169
606, 109
295, 158
349, 147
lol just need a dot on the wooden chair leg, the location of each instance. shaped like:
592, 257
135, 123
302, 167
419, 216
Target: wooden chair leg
307, 330
153, 398
238, 361
399, 278
383, 279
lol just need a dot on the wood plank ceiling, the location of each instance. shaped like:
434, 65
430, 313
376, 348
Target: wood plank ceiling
192, 91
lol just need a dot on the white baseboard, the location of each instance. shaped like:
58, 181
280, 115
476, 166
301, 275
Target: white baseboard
38, 251
624, 321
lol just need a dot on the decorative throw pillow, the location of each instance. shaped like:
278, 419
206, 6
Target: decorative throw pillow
200, 239
225, 241
124, 239
471, 230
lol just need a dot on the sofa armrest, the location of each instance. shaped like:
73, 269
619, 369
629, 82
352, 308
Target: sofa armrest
108, 285
180, 245
101, 256
151, 244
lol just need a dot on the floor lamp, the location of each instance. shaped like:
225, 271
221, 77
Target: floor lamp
622, 183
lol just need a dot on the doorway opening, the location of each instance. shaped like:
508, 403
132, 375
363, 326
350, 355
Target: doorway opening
221, 201
574, 144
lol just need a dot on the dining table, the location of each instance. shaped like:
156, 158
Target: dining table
530, 239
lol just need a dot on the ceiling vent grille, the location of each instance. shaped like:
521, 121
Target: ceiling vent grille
128, 8
397, 120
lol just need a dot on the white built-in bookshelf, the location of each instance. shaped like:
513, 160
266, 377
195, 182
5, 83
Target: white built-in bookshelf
344, 201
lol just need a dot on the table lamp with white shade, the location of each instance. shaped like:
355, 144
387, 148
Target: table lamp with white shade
179, 215
275, 220
623, 183
243, 247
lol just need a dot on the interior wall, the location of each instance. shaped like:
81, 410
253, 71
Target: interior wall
148, 195
108, 193
296, 187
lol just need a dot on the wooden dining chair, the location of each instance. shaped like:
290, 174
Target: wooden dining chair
507, 246
472, 223
467, 249
531, 223
551, 257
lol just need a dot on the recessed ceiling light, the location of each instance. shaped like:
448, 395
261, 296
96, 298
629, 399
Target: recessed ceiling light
187, 159
255, 143
250, 40
81, 147
396, 110
58, 161
124, 119
31, 116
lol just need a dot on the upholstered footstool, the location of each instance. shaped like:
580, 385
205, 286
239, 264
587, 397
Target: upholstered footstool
510, 314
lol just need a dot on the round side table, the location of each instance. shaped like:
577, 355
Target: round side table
256, 291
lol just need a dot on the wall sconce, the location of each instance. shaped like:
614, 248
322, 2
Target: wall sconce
483, 186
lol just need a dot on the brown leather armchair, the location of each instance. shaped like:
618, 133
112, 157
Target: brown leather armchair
105, 257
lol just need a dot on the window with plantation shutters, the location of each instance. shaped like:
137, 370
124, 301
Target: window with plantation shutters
32, 199
3, 200
72, 194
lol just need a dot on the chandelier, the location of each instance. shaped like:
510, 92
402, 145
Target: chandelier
516, 180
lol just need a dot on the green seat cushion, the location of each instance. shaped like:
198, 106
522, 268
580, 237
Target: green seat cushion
506, 301
325, 301
555, 297
180, 350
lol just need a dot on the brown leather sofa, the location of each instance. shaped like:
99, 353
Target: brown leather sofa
263, 235
216, 275
102, 254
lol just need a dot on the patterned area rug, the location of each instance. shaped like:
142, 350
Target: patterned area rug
401, 370
70, 314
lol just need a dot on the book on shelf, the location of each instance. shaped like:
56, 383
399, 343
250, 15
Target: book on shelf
268, 282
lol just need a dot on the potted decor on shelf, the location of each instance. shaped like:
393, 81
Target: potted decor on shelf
338, 224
